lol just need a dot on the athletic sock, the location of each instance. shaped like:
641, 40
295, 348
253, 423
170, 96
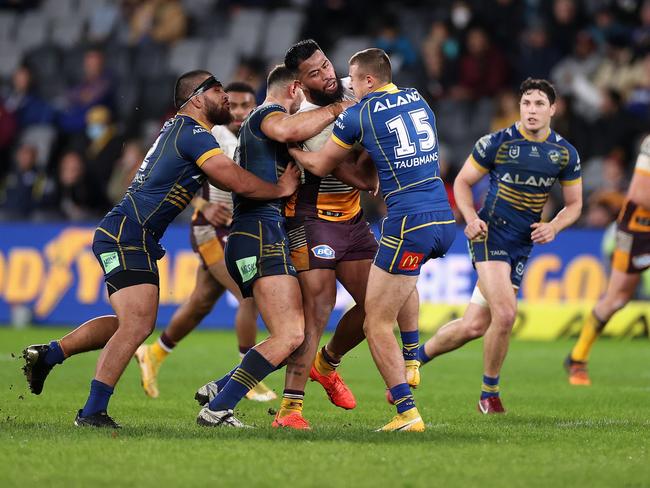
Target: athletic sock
490, 387
221, 382
591, 329
292, 401
422, 355
162, 347
324, 363
243, 350
54, 355
402, 397
410, 343
100, 394
253, 369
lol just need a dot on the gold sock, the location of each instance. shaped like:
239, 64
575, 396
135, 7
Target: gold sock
158, 352
591, 329
290, 405
322, 365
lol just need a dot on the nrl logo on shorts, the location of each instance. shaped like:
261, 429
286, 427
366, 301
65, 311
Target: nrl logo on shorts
323, 252
513, 152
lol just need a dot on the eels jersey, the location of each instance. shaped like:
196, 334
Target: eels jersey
522, 172
398, 129
326, 198
263, 157
170, 174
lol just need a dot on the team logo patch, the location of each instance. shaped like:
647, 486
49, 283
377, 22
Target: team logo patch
513, 152
554, 156
410, 261
520, 269
110, 261
247, 267
323, 252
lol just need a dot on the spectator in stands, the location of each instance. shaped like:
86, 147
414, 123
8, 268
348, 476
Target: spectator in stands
104, 147
507, 111
564, 21
641, 35
403, 55
125, 170
253, 72
638, 102
28, 108
161, 21
483, 68
440, 53
77, 198
603, 208
605, 173
616, 70
21, 185
8, 130
96, 88
535, 56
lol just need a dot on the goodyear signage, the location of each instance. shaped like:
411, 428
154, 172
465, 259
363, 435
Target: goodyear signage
50, 270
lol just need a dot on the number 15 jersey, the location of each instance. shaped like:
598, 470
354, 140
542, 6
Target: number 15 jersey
398, 129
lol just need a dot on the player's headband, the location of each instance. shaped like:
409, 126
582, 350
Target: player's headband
205, 85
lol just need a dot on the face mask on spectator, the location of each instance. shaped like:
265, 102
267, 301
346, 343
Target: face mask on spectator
95, 131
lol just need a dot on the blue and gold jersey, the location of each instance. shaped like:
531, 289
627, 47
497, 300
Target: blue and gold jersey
263, 157
170, 174
398, 129
522, 172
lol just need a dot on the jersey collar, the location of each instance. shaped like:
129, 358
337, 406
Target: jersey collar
202, 124
527, 136
390, 88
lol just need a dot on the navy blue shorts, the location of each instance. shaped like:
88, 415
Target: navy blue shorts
409, 241
255, 249
121, 244
499, 245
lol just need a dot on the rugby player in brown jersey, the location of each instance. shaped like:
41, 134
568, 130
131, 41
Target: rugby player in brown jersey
330, 239
209, 231
631, 257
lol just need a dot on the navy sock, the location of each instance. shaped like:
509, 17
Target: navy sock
490, 387
402, 397
54, 355
253, 369
243, 350
422, 355
222, 381
410, 342
100, 394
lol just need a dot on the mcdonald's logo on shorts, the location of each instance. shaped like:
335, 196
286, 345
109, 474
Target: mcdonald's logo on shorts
410, 261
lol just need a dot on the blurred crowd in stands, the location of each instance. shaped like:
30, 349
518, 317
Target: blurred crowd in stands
86, 84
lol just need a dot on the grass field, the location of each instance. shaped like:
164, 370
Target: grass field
553, 435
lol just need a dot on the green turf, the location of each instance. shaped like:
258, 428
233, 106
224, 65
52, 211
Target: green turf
553, 435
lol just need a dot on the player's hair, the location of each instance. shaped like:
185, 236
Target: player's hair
239, 87
186, 84
300, 51
280, 75
374, 61
544, 86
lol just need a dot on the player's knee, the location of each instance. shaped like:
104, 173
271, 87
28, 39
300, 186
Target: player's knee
476, 328
294, 338
504, 315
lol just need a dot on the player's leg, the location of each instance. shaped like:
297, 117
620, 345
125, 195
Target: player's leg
385, 296
408, 320
245, 325
279, 300
136, 307
472, 325
318, 288
620, 290
41, 358
496, 285
186, 318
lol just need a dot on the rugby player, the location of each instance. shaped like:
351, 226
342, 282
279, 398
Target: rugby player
257, 252
209, 231
397, 128
126, 242
523, 162
631, 257
329, 240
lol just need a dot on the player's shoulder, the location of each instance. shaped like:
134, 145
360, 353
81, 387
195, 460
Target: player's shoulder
557, 139
493, 140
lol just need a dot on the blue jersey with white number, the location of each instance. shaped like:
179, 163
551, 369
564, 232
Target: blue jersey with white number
263, 157
522, 172
170, 174
398, 129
